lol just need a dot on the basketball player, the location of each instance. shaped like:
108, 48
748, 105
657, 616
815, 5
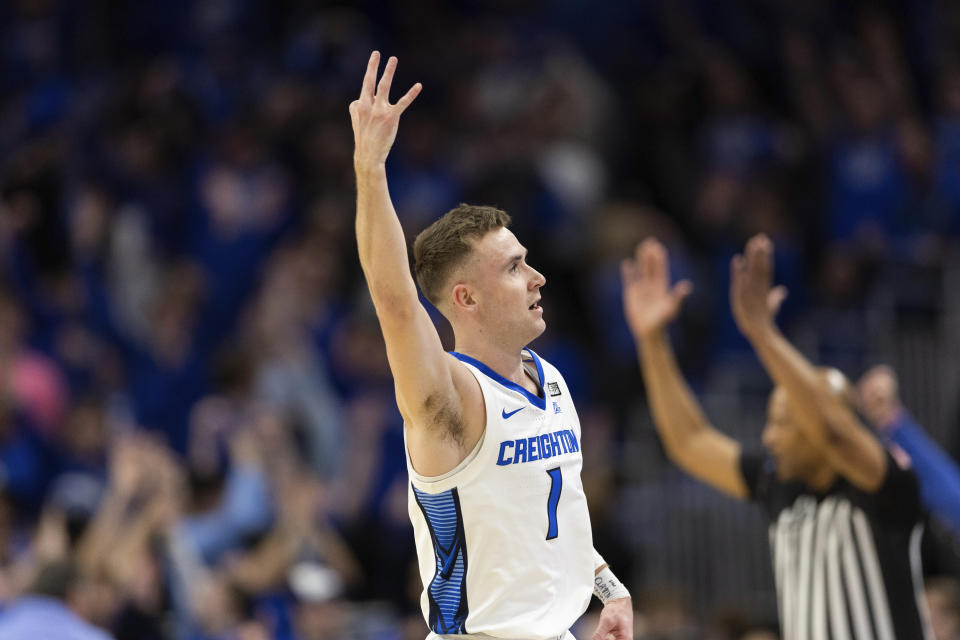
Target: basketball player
845, 528
492, 437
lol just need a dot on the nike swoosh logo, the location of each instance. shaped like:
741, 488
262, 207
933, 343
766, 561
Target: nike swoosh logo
506, 415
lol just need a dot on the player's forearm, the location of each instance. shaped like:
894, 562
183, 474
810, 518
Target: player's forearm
380, 240
676, 412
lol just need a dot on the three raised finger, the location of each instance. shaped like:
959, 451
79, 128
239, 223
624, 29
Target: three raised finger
736, 277
383, 88
370, 77
409, 96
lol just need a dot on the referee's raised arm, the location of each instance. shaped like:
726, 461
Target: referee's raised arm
691, 442
819, 406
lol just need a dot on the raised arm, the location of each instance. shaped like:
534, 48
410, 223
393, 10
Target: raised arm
937, 472
821, 411
689, 439
431, 387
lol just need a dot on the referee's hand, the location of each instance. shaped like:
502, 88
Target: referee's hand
649, 300
616, 621
753, 298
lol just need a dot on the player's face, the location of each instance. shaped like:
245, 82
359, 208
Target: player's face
795, 457
508, 289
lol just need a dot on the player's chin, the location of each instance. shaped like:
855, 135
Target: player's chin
536, 330
540, 326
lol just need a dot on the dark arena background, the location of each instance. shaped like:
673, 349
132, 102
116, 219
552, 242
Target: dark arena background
198, 433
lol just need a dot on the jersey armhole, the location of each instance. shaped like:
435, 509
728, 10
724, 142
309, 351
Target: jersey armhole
457, 469
470, 457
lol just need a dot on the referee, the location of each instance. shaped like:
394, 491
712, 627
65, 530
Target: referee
845, 517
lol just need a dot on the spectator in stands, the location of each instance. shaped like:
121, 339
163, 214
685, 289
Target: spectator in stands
937, 472
943, 596
54, 607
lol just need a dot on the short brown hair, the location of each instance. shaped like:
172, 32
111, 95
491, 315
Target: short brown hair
444, 244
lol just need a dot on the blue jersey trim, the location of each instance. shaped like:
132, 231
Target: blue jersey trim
537, 401
447, 592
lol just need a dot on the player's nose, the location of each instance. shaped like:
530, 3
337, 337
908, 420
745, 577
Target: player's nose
538, 279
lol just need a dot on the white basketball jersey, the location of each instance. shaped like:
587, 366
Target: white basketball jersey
504, 541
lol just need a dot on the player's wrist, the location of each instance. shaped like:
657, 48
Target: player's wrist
365, 167
606, 586
760, 330
650, 336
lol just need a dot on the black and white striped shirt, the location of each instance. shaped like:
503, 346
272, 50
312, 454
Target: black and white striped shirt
846, 562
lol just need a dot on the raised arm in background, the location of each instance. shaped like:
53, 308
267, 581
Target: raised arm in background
691, 442
822, 411
440, 400
937, 472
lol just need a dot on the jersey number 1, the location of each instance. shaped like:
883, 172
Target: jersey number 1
556, 486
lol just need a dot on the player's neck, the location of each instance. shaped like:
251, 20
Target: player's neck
507, 362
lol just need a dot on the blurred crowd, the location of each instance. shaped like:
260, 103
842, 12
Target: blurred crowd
198, 438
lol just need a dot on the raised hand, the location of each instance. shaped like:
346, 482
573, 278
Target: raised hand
51, 540
126, 468
753, 298
649, 302
375, 120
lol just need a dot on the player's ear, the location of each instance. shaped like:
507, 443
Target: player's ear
463, 297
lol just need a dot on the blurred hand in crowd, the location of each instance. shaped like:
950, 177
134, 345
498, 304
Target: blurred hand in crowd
302, 505
126, 471
51, 542
246, 446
